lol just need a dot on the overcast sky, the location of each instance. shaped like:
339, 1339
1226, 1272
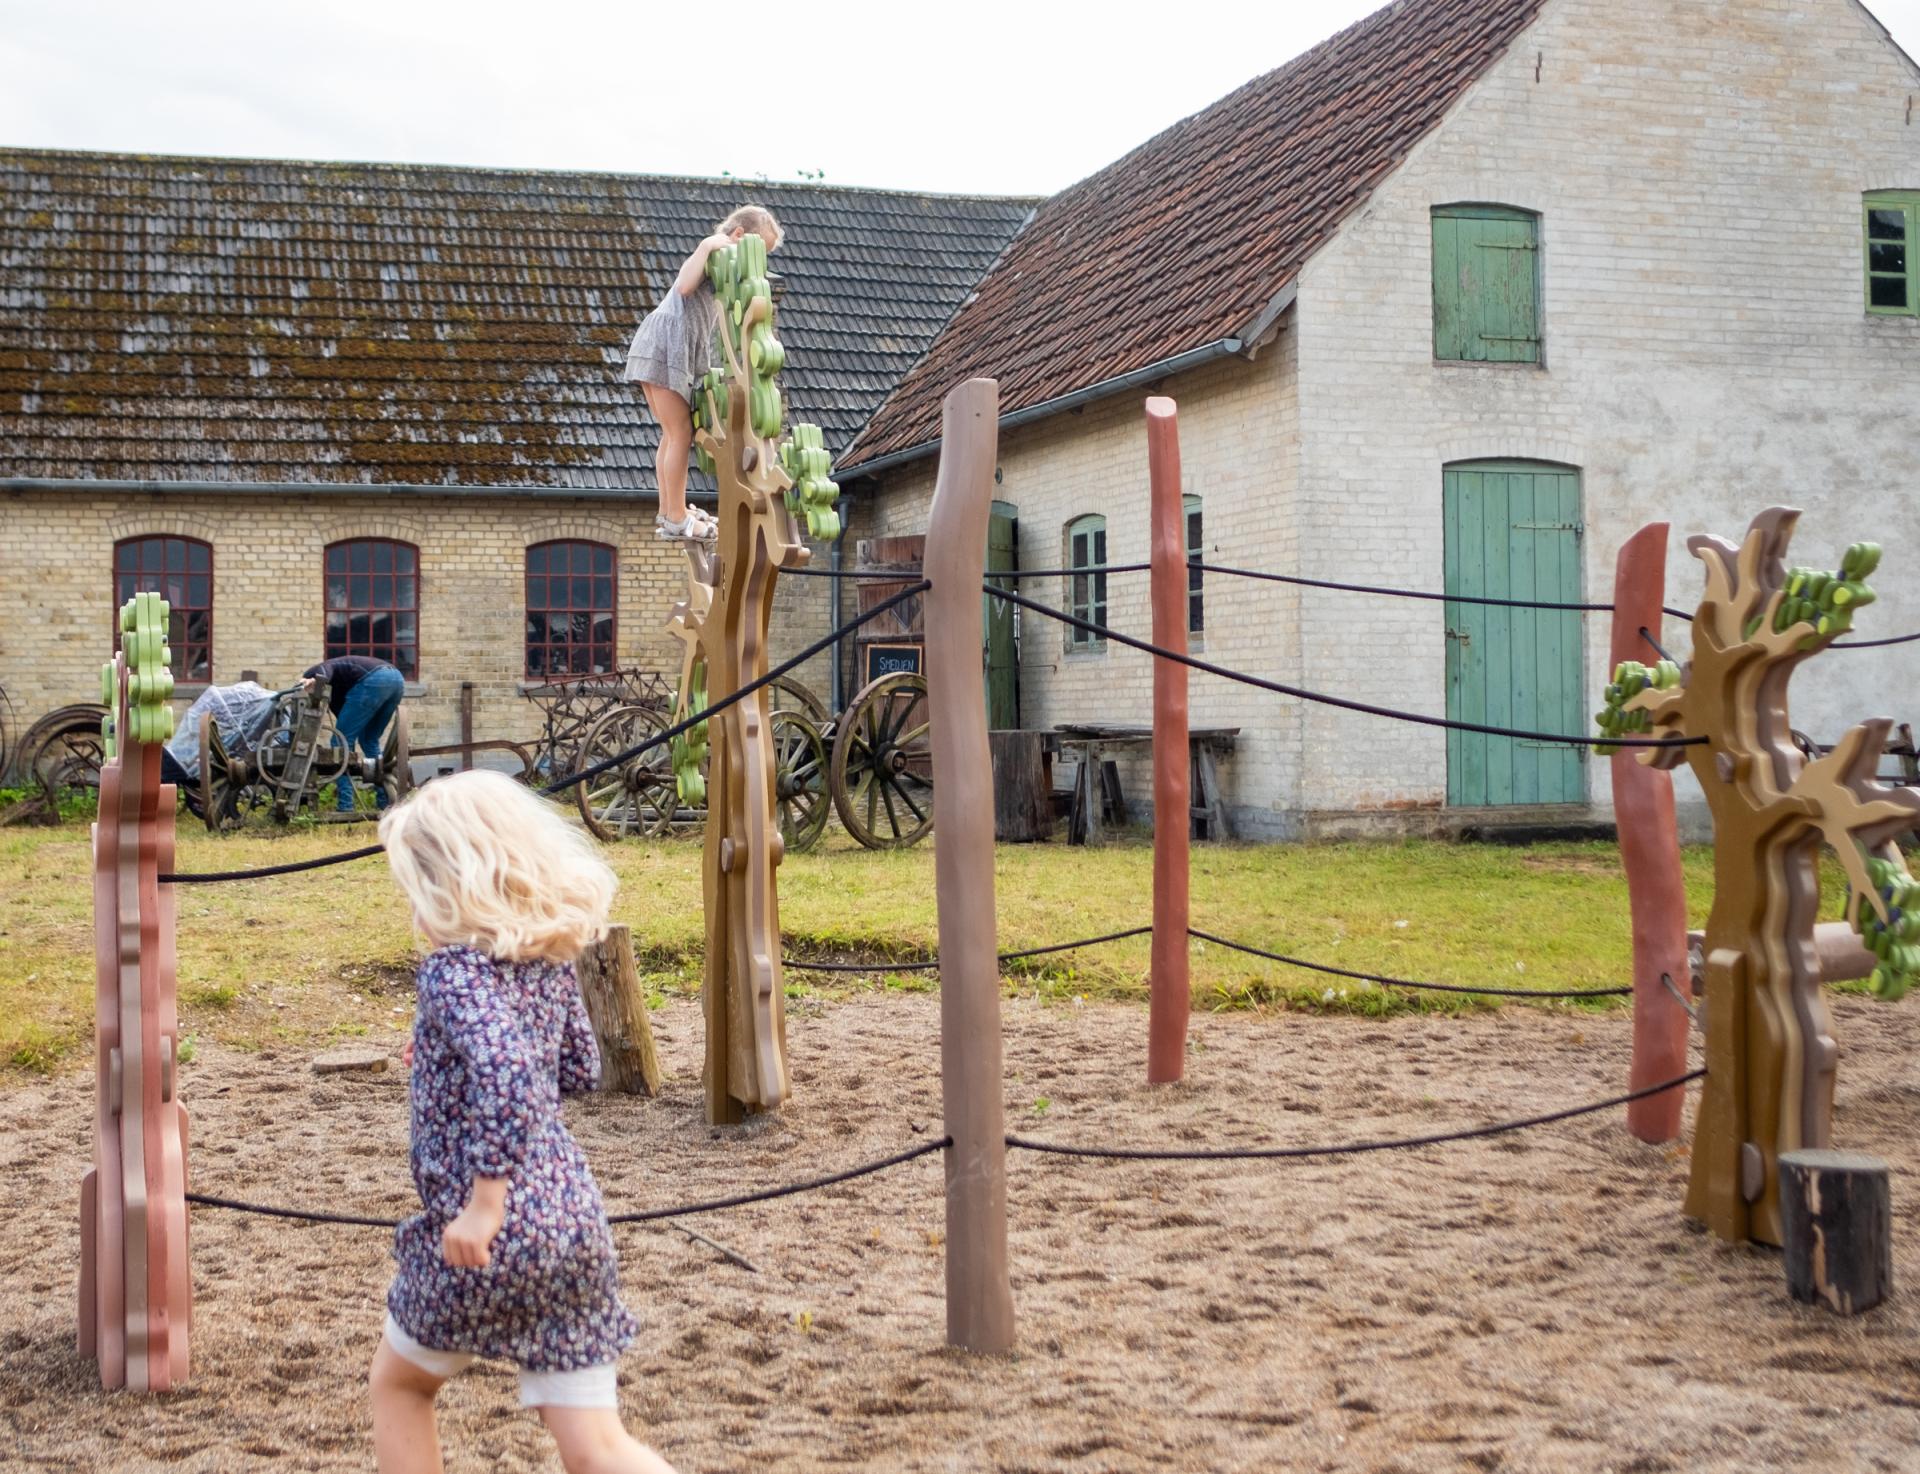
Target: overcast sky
986, 96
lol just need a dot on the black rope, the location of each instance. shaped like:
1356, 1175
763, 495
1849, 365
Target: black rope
1647, 635
929, 964
1302, 694
649, 1215
1223, 1154
1374, 977
1871, 644
204, 876
1392, 593
560, 785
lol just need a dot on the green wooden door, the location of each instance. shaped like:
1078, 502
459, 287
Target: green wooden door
1003, 661
1513, 532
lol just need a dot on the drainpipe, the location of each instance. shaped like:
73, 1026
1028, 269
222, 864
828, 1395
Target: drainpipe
841, 508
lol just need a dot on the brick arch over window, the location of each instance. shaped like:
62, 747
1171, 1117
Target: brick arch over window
370, 592
373, 524
179, 570
572, 608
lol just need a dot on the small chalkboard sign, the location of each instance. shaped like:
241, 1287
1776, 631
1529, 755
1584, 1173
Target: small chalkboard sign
890, 660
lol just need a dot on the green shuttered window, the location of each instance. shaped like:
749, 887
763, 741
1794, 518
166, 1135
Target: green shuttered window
1486, 284
1893, 263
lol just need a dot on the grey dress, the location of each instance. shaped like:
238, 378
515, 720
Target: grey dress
674, 346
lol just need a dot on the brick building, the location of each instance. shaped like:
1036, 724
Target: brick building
1459, 300
352, 408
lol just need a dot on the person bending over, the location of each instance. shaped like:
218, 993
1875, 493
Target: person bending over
364, 694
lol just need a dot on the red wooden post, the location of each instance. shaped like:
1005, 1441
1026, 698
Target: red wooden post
979, 1294
1172, 991
1650, 852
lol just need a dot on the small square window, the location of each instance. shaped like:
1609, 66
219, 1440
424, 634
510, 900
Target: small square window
1892, 243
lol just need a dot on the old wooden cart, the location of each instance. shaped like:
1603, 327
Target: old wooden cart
299, 755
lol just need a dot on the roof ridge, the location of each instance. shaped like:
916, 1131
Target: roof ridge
377, 166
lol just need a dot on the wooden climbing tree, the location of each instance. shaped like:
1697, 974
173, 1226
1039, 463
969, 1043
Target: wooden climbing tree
1771, 1054
773, 491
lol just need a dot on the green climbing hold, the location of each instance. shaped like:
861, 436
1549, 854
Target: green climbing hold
1891, 940
1629, 680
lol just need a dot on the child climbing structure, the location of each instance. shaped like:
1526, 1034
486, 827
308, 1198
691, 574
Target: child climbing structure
135, 1294
770, 490
1770, 1052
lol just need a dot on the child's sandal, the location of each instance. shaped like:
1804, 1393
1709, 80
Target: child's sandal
695, 527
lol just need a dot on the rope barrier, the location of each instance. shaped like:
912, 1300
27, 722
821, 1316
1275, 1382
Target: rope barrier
1230, 1154
1393, 593
929, 964
560, 785
1647, 635
1372, 977
1321, 698
649, 1215
1872, 644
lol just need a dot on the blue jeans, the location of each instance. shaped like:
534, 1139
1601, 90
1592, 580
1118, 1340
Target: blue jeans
369, 706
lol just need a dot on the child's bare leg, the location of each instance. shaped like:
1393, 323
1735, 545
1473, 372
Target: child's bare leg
405, 1439
676, 440
593, 1441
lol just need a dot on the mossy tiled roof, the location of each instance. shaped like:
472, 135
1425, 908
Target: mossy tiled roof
196, 320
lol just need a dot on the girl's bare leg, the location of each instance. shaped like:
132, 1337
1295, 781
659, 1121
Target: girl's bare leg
676, 440
405, 1439
592, 1440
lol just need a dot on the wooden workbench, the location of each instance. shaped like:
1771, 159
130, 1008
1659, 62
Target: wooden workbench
1097, 795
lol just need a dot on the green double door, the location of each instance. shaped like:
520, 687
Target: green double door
1513, 531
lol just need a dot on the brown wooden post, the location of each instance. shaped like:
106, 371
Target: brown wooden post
1650, 852
610, 986
466, 726
1171, 989
979, 1295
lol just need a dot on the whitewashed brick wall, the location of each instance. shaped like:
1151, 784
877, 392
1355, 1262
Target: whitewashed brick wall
1698, 168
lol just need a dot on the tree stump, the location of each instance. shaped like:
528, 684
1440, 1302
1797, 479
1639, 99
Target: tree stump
1022, 787
610, 985
1836, 1213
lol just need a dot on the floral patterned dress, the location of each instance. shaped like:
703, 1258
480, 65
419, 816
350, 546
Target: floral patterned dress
494, 1046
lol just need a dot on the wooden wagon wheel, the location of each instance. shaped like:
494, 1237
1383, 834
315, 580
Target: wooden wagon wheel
787, 694
800, 764
229, 788
64, 750
637, 796
270, 760
883, 764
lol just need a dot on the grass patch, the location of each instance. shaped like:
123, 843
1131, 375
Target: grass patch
312, 956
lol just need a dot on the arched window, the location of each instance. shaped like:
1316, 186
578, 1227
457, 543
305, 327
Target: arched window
573, 593
373, 601
1196, 553
1086, 591
179, 570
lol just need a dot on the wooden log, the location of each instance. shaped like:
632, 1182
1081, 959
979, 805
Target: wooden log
1650, 853
1170, 999
610, 986
1022, 787
1836, 1215
979, 1294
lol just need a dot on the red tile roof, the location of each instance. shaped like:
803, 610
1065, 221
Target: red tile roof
1187, 239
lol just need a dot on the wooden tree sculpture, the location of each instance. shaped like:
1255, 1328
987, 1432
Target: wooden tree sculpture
1771, 1054
768, 490
135, 1294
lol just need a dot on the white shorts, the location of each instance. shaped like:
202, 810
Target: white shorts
587, 1387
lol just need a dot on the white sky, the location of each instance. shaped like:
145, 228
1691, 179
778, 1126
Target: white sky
978, 96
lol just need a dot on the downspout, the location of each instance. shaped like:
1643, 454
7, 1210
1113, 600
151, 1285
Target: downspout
841, 509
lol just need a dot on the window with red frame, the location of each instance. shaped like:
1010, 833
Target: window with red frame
373, 602
572, 609
179, 570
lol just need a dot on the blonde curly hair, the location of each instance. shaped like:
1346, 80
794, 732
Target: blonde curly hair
756, 220
486, 863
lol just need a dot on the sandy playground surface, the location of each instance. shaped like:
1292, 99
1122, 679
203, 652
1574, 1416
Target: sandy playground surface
1524, 1303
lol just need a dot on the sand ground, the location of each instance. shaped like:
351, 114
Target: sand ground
1525, 1303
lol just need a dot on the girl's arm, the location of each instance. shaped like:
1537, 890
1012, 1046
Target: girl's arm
694, 271
579, 1051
